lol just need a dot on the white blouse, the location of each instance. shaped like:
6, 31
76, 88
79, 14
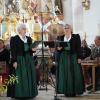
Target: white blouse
67, 39
23, 39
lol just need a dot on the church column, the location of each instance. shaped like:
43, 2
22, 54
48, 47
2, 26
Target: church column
98, 33
78, 20
67, 10
73, 14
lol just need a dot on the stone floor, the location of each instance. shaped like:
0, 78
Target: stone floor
49, 95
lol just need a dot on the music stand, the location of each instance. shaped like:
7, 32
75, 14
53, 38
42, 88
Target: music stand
55, 44
35, 44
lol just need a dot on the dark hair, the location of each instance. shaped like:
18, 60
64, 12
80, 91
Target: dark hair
84, 42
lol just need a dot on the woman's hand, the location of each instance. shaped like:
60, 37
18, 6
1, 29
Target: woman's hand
52, 49
59, 48
34, 49
15, 65
79, 61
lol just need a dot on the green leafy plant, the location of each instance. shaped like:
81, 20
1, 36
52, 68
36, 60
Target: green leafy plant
11, 81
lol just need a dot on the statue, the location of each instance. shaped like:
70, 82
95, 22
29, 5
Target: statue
32, 8
59, 4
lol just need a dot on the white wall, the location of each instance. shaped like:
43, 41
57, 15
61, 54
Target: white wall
92, 21
67, 9
77, 16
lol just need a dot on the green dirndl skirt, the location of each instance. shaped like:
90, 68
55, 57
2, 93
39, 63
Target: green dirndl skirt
26, 86
70, 77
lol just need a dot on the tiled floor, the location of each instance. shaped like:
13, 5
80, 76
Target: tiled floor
49, 95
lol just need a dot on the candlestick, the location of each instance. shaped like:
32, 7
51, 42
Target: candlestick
1, 30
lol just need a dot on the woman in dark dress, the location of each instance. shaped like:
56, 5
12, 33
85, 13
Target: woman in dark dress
5, 57
22, 65
70, 77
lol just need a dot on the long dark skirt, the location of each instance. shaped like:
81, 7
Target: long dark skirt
26, 86
70, 77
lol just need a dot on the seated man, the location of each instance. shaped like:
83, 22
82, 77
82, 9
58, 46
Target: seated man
85, 53
96, 50
96, 54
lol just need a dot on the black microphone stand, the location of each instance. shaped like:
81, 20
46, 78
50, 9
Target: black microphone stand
45, 69
44, 66
56, 43
43, 59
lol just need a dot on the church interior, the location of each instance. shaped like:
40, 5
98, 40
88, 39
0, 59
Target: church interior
46, 21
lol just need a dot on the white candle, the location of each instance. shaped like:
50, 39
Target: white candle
1, 30
32, 26
4, 8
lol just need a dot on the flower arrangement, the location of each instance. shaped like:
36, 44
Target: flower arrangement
11, 81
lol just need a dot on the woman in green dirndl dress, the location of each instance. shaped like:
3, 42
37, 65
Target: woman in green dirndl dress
70, 77
22, 66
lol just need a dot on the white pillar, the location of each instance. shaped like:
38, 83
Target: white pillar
98, 33
67, 10
78, 21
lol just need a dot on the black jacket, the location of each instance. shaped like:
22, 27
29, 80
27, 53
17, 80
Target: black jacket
85, 52
17, 47
75, 44
5, 56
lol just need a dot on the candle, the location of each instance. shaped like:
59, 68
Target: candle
4, 8
1, 30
